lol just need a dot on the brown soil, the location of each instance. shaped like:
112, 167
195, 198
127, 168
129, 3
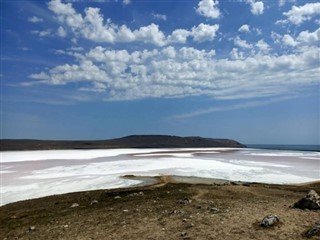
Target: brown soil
157, 214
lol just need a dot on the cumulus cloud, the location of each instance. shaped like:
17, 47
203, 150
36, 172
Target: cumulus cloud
94, 27
35, 19
282, 2
300, 14
288, 40
257, 7
126, 2
244, 28
304, 38
263, 46
43, 33
209, 8
158, 16
241, 43
61, 32
235, 54
185, 71
204, 32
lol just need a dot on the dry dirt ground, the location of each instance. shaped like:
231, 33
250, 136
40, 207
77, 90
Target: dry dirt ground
215, 211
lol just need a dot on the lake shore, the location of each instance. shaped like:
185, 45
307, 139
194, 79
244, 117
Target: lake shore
216, 209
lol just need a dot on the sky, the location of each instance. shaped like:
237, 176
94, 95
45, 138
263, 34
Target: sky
247, 70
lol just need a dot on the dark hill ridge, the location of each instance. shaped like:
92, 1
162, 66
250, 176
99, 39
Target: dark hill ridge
133, 141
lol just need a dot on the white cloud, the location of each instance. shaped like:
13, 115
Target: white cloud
179, 36
61, 32
304, 38
258, 31
35, 19
299, 14
250, 104
44, 33
276, 37
244, 28
126, 2
288, 40
186, 71
94, 27
282, 2
24, 48
158, 16
257, 7
208, 8
150, 34
309, 38
241, 43
204, 32
263, 46
235, 54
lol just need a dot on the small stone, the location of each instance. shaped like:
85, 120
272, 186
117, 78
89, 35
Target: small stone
184, 220
183, 234
94, 202
74, 205
189, 225
214, 210
125, 210
117, 197
141, 193
163, 229
184, 201
32, 228
269, 220
66, 226
315, 230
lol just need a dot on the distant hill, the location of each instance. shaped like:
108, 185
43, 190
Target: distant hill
133, 141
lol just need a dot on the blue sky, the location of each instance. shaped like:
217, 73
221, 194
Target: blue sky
241, 69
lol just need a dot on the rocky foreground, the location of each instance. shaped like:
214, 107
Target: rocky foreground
170, 210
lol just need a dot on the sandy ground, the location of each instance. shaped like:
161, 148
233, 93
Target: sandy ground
218, 210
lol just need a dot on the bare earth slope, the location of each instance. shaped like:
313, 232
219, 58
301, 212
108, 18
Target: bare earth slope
216, 211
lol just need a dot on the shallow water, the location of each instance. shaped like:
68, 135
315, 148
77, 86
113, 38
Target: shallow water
33, 174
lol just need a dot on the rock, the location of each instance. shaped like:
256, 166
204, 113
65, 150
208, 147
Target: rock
311, 201
32, 228
214, 210
74, 205
315, 230
184, 201
94, 202
269, 220
183, 234
189, 225
117, 197
184, 220
125, 210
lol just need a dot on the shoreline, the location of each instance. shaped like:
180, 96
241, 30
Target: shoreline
172, 206
160, 181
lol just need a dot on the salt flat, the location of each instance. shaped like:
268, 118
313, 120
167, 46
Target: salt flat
33, 174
